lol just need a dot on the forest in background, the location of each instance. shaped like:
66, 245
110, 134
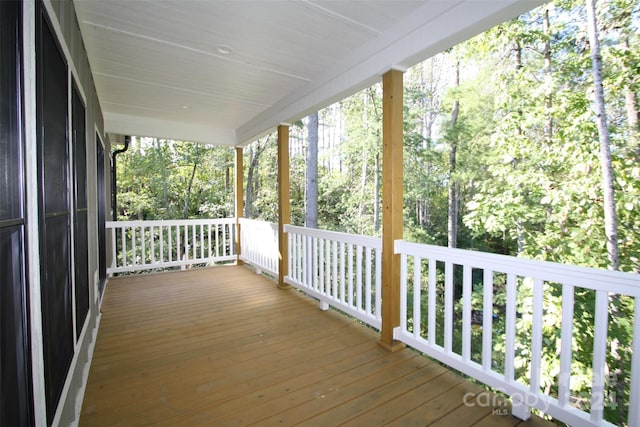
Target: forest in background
503, 153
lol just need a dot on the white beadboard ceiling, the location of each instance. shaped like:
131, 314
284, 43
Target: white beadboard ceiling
159, 70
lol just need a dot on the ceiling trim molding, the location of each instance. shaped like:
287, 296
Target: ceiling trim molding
181, 131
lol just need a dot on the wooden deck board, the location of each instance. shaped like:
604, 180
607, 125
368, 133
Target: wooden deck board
224, 347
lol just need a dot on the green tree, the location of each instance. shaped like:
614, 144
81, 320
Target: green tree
162, 179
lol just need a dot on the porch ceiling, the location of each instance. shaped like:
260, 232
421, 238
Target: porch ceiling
160, 67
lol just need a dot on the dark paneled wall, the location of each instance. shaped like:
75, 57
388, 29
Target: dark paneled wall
81, 243
68, 124
55, 214
49, 266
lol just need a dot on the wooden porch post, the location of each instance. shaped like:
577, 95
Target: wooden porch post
284, 211
392, 190
239, 199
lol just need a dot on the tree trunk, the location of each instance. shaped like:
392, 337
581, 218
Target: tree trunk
452, 228
363, 185
549, 72
248, 195
311, 215
631, 105
187, 197
630, 95
363, 165
163, 168
610, 219
254, 154
519, 132
428, 86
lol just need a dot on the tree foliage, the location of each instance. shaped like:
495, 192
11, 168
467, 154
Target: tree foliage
162, 179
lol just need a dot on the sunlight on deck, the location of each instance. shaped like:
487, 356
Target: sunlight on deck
223, 346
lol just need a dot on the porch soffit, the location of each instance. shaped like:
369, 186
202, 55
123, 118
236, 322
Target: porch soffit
161, 69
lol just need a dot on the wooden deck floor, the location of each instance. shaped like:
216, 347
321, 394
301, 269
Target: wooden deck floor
223, 346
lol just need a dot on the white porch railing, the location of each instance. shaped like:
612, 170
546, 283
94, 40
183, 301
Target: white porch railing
145, 245
430, 319
259, 245
341, 270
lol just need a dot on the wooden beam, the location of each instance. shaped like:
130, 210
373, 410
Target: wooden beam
284, 210
392, 190
239, 199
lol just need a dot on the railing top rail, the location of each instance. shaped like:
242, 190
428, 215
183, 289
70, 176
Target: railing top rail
168, 222
584, 277
355, 239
